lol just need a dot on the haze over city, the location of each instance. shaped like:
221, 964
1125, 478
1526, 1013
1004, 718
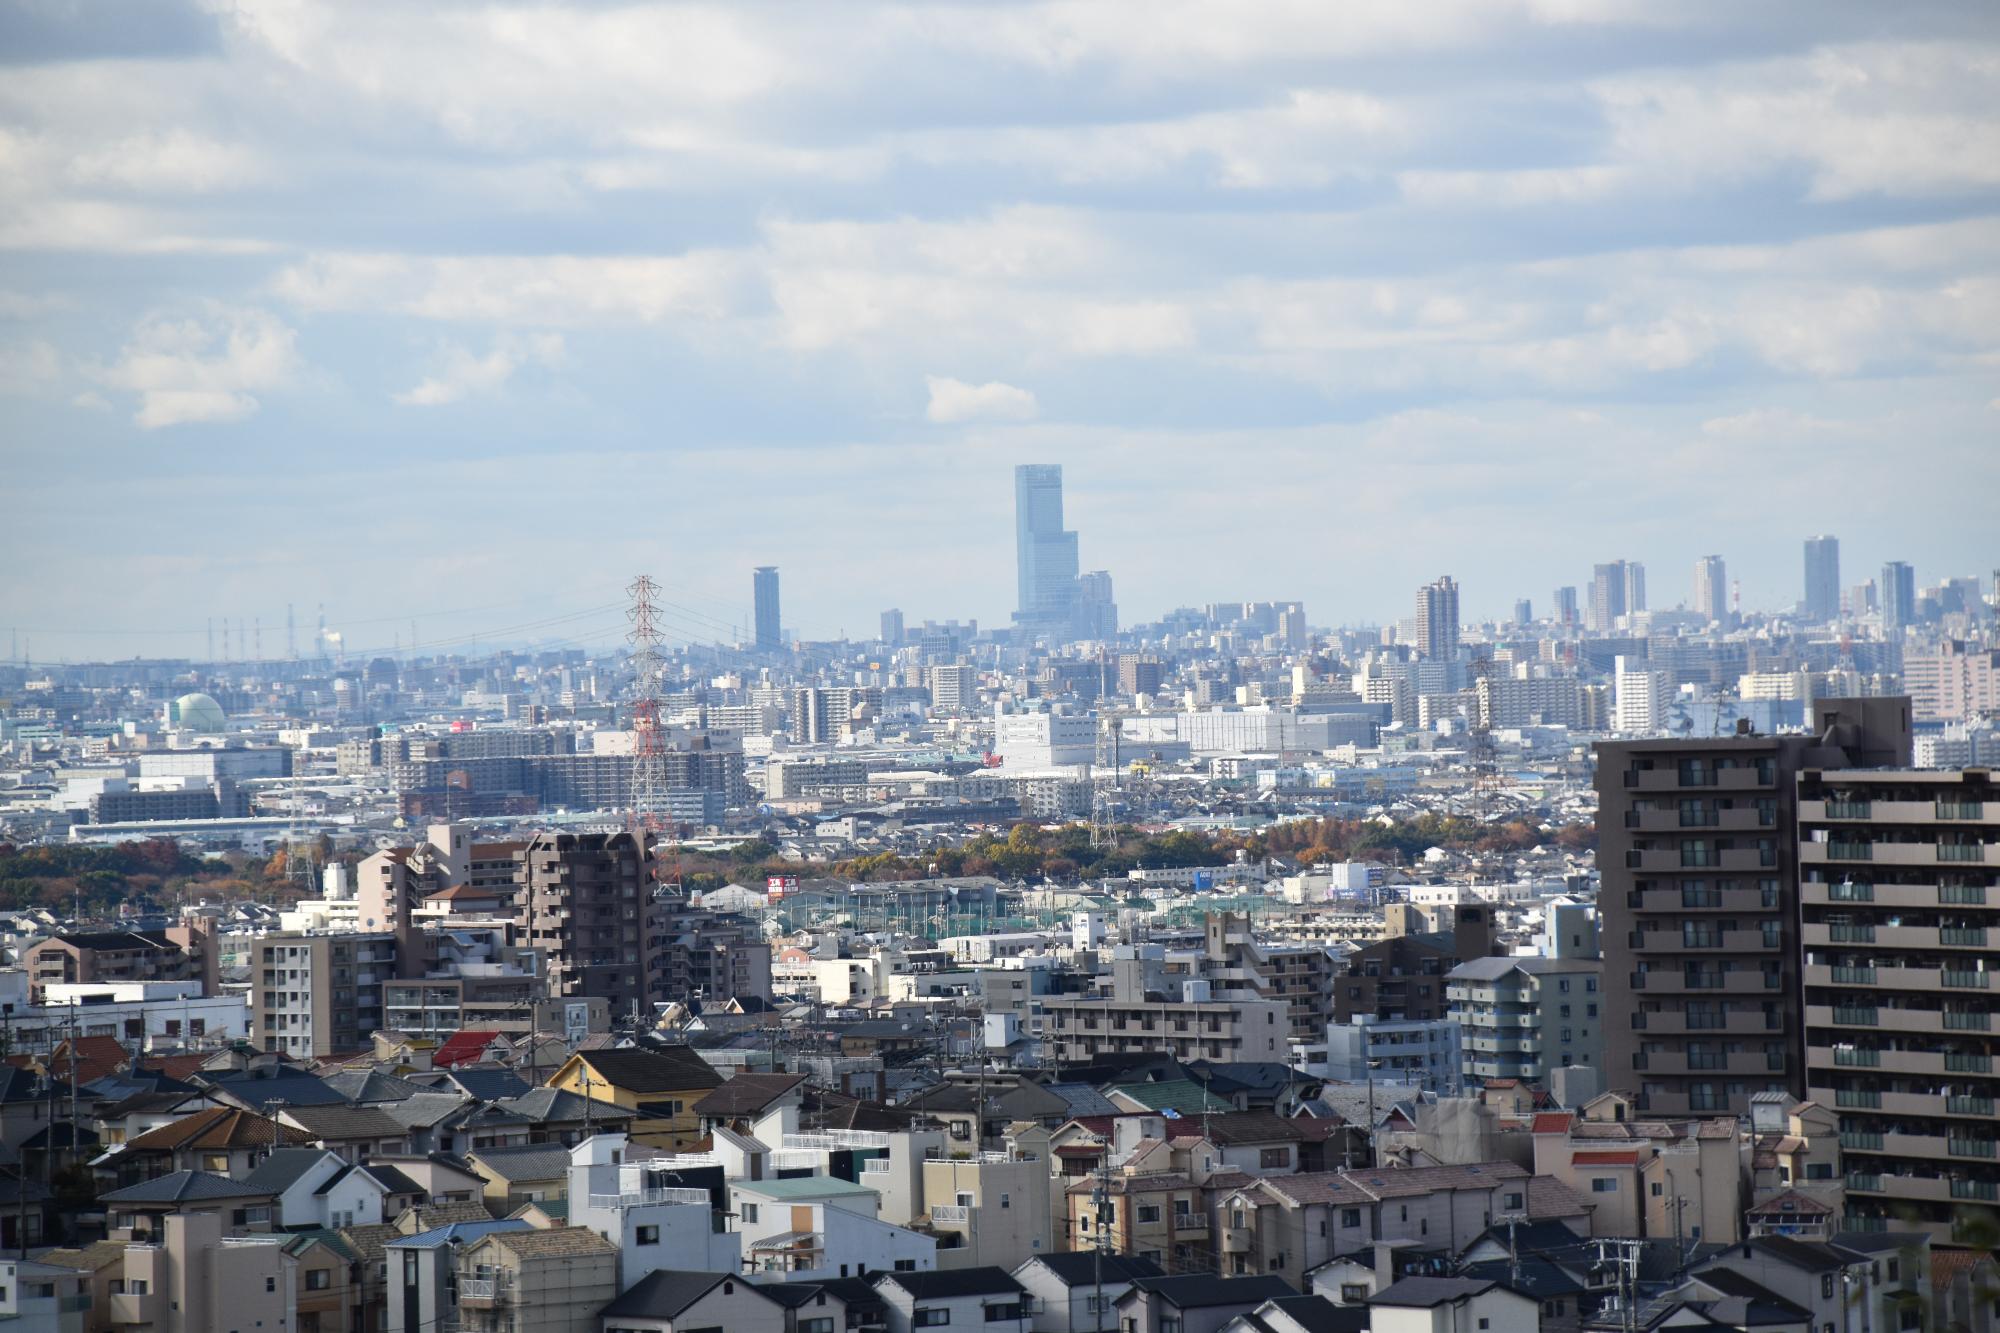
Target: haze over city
460, 314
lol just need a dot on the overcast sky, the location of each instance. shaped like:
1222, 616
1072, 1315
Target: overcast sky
465, 313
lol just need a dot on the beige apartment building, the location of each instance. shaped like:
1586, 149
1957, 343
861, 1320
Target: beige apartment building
1900, 906
314, 995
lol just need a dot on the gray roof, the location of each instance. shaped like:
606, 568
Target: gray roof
282, 1169
540, 1105
346, 1122
370, 1085
1083, 1099
425, 1109
181, 1186
533, 1161
1425, 1292
1196, 1291
663, 1294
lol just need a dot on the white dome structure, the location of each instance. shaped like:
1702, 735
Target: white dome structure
197, 712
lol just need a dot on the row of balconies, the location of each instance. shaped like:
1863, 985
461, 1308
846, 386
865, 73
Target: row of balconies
1898, 853
1815, 893
1889, 1018
1746, 778
1899, 1061
1942, 810
1708, 1062
1897, 978
1670, 1022
1680, 941
1895, 937
1671, 860
1973, 1145
1937, 1188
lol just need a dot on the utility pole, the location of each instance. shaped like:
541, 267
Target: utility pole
1098, 1197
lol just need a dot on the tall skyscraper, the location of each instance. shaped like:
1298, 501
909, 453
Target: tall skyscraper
770, 638
892, 626
1822, 579
1898, 595
1524, 611
1437, 619
1711, 589
1565, 612
1607, 596
1044, 554
1635, 587
1096, 608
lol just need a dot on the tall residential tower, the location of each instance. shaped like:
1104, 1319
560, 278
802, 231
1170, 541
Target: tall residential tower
1822, 579
1044, 554
770, 636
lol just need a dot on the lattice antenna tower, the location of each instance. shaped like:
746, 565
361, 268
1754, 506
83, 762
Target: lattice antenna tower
647, 816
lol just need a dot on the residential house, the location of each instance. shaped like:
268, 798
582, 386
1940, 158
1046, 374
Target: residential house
515, 1176
745, 1099
357, 1133
1076, 1292
560, 1279
317, 1188
553, 1115
1832, 1283
990, 1209
985, 1298
820, 1227
328, 1297
222, 1140
1193, 1302
1290, 1225
1300, 1314
664, 1301
656, 1225
1646, 1178
660, 1086
43, 1296
1450, 1305
193, 1278
423, 1286
138, 1213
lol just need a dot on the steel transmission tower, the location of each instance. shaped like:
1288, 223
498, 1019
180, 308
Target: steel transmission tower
647, 817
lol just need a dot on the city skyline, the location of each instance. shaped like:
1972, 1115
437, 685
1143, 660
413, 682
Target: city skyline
1230, 269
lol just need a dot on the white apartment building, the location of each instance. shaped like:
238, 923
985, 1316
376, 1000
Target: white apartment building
654, 1226
800, 1228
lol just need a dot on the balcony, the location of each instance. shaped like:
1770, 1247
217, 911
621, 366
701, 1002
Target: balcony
950, 1214
652, 1197
1985, 1191
1970, 1147
126, 1308
484, 1293
1964, 980
1190, 1224
1982, 1107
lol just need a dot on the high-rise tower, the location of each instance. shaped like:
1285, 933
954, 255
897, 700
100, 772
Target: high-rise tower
1044, 554
1437, 619
1822, 579
1711, 589
1898, 595
770, 635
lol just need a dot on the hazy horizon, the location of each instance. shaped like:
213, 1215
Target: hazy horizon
465, 314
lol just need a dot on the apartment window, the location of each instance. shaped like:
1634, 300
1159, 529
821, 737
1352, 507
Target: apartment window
821, 1325
749, 1212
1604, 1184
997, 1313
906, 1265
1274, 1157
270, 1284
318, 1279
1562, 985
1826, 1286
1149, 1212
931, 1318
1511, 1202
648, 1236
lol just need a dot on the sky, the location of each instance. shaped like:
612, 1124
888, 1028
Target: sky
450, 318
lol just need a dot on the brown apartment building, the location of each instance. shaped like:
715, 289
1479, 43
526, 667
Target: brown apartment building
1697, 846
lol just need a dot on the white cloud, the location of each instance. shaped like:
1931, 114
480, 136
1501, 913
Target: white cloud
207, 368
955, 401
28, 367
463, 373
538, 289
